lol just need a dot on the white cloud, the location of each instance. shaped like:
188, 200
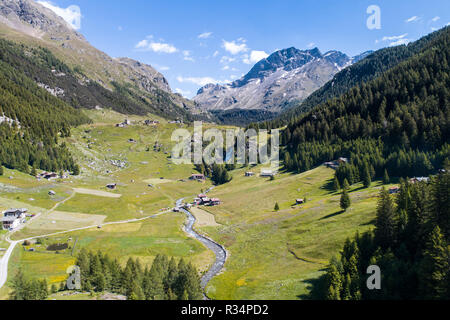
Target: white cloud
164, 68
310, 45
255, 56
435, 18
205, 35
216, 53
235, 47
226, 59
395, 40
390, 38
159, 47
412, 19
200, 81
399, 42
182, 92
226, 68
187, 56
71, 14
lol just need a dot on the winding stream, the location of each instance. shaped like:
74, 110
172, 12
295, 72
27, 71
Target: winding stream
219, 251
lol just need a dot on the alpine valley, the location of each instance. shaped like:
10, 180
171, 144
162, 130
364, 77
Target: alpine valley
94, 207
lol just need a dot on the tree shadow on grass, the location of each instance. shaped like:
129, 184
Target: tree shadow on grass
370, 223
358, 189
316, 288
333, 215
329, 185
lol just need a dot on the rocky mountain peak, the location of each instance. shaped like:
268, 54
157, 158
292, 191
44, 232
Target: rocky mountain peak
286, 76
30, 17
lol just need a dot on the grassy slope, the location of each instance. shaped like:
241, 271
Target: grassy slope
142, 240
274, 255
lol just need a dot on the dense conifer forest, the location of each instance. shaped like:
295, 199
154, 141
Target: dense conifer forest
40, 65
410, 245
398, 122
34, 117
369, 68
33, 120
164, 280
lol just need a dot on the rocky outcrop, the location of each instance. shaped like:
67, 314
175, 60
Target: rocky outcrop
144, 75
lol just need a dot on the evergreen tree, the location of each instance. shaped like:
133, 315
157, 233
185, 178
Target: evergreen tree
345, 200
435, 267
334, 280
366, 177
336, 185
76, 170
386, 179
385, 220
277, 207
345, 185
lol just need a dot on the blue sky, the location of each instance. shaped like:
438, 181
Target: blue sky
193, 42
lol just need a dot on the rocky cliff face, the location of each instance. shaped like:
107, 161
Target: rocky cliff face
29, 22
286, 76
144, 74
35, 20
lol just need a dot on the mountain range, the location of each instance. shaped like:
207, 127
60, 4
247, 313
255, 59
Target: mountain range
287, 76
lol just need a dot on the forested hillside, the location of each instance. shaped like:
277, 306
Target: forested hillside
410, 244
72, 86
40, 98
398, 122
361, 72
32, 119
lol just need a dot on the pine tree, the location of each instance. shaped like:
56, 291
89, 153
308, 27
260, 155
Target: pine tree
33, 171
43, 290
386, 179
76, 170
435, 267
334, 280
366, 177
345, 185
19, 286
345, 200
184, 296
193, 283
277, 207
385, 220
336, 185
1, 170
440, 202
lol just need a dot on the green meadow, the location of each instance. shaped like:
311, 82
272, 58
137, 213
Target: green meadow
273, 254
147, 184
